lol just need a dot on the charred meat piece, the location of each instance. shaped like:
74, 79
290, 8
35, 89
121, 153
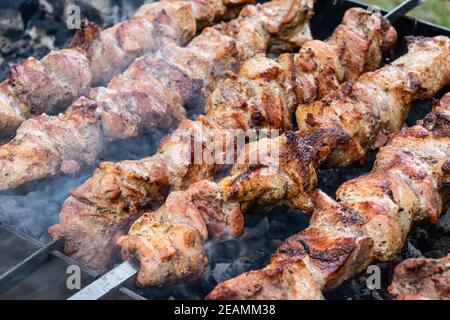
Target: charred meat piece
169, 242
422, 279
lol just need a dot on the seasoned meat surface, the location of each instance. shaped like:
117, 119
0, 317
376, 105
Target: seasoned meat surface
151, 94
169, 242
421, 279
369, 221
340, 128
235, 102
122, 191
54, 82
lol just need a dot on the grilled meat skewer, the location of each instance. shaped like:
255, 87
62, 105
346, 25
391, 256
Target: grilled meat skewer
233, 42
340, 128
369, 221
270, 89
309, 82
421, 279
152, 93
55, 81
269, 182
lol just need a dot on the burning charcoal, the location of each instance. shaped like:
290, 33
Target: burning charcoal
128, 8
11, 4
53, 7
411, 251
27, 8
11, 23
219, 270
223, 271
134, 148
6, 45
258, 231
102, 12
223, 251
32, 227
7, 212
47, 26
444, 223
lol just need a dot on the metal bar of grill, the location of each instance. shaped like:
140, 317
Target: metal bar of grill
108, 282
28, 266
402, 9
40, 259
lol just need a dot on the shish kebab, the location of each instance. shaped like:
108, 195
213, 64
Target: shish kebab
95, 56
246, 36
264, 94
369, 221
421, 278
128, 269
151, 94
289, 174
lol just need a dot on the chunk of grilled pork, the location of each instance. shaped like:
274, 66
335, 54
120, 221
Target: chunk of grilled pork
421, 279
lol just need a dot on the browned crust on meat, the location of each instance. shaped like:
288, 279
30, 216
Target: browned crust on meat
368, 223
121, 190
421, 279
85, 36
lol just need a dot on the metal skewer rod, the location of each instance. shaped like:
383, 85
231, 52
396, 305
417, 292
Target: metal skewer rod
402, 9
108, 282
128, 269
